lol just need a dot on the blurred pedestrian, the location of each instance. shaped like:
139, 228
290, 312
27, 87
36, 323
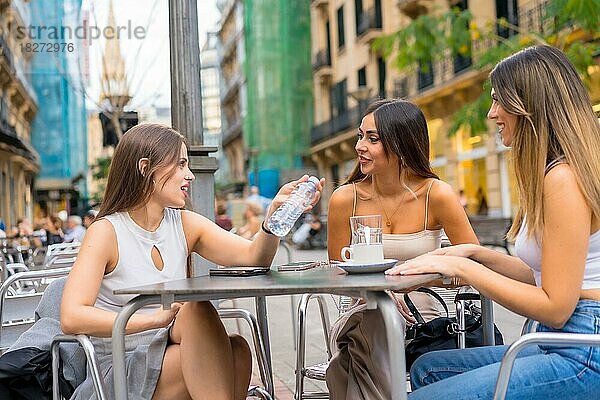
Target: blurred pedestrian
254, 218
257, 198
53, 228
222, 219
89, 217
74, 231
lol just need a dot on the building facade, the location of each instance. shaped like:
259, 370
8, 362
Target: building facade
59, 131
266, 97
348, 73
211, 103
19, 161
231, 54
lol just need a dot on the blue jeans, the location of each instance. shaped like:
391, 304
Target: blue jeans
539, 372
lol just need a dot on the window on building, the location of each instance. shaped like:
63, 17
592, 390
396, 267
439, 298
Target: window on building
362, 76
335, 174
340, 23
328, 32
508, 10
358, 10
425, 76
382, 73
461, 62
339, 96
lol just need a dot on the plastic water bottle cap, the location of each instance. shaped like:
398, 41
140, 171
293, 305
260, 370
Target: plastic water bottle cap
314, 180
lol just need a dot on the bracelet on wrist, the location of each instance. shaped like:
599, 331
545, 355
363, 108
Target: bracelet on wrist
265, 230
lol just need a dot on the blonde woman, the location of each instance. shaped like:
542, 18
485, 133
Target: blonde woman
543, 113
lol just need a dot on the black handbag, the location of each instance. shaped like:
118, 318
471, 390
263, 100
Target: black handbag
442, 333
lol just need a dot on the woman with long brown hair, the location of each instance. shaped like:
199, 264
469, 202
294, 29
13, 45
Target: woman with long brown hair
392, 178
543, 112
142, 235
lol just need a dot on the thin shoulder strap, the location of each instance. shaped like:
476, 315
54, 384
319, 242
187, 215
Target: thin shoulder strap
354, 203
427, 203
554, 163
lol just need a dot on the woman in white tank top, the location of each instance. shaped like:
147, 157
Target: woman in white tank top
142, 235
392, 178
543, 112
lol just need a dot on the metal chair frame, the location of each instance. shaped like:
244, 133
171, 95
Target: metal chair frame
24, 316
537, 338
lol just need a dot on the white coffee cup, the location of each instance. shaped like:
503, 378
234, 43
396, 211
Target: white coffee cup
362, 253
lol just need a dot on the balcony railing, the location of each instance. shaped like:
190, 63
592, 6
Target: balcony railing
425, 77
322, 59
532, 19
6, 52
461, 63
401, 88
231, 132
369, 19
7, 129
335, 125
231, 86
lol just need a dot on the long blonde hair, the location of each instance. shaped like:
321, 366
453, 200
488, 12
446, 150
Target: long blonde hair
554, 119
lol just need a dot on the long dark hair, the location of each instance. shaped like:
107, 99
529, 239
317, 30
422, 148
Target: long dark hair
403, 131
127, 188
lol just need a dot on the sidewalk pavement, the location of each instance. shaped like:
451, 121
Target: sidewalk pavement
283, 354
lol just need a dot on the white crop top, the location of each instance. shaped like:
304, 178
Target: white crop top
135, 266
530, 251
404, 246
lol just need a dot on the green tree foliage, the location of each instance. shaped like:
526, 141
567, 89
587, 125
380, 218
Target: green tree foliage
100, 172
570, 25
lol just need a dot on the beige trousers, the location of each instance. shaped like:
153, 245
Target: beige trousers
359, 367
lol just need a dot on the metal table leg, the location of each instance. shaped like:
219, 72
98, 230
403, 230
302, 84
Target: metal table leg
118, 341
394, 328
263, 323
487, 315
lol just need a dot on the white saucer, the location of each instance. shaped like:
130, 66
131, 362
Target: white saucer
352, 268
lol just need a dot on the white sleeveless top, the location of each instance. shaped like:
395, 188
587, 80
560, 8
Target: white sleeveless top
404, 246
529, 250
135, 266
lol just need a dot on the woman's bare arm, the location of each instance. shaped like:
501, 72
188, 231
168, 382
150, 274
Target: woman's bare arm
78, 314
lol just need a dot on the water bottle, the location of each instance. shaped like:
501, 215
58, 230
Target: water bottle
286, 215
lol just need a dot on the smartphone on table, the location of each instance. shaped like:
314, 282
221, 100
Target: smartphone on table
239, 271
298, 266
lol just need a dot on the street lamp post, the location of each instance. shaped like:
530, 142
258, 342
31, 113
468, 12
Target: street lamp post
186, 110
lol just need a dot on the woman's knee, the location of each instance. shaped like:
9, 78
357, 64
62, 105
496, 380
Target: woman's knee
240, 348
421, 369
203, 310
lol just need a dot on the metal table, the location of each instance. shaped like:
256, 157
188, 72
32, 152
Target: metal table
371, 287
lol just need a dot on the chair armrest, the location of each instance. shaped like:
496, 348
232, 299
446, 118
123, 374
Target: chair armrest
20, 276
91, 360
545, 338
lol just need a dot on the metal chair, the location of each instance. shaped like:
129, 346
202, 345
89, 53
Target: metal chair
61, 254
538, 338
315, 371
17, 311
